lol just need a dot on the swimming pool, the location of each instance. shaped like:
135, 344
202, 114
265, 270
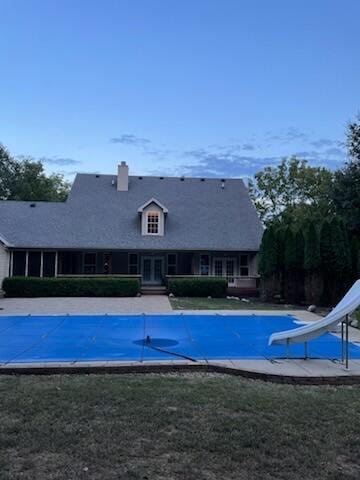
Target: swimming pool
82, 338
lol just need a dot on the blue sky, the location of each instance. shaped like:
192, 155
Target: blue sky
194, 87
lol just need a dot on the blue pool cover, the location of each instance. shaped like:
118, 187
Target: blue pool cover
153, 337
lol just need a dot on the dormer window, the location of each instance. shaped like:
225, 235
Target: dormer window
153, 220
152, 214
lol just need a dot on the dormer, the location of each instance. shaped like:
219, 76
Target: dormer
152, 215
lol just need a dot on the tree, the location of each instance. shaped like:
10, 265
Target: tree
353, 139
312, 260
293, 277
313, 283
269, 263
342, 260
355, 258
7, 173
290, 258
346, 191
335, 259
25, 179
33, 184
291, 188
268, 253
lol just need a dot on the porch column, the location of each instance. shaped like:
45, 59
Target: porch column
11, 266
26, 263
41, 263
56, 264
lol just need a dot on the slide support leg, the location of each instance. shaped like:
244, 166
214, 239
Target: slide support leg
342, 342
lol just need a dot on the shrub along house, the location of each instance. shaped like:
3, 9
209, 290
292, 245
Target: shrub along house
150, 227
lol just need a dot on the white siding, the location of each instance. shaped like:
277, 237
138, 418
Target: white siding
4, 263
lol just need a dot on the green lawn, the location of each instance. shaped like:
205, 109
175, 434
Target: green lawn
202, 303
183, 427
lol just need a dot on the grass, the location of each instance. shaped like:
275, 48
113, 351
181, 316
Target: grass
182, 427
201, 303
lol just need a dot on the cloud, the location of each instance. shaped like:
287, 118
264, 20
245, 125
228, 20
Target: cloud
129, 139
335, 152
230, 161
248, 146
59, 161
292, 134
324, 142
226, 164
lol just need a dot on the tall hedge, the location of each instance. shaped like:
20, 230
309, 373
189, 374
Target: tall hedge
327, 248
312, 259
290, 257
355, 258
341, 247
313, 279
268, 255
70, 287
335, 260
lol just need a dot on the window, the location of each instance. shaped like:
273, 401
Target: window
49, 264
171, 264
89, 263
153, 223
19, 260
244, 265
218, 267
107, 263
204, 264
133, 263
34, 263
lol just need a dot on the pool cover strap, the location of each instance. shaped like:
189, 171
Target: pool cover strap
147, 343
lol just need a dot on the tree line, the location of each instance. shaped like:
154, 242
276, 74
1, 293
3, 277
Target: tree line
310, 252
26, 179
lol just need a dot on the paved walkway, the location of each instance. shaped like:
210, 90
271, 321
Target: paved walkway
85, 305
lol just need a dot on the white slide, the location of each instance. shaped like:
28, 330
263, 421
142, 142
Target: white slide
347, 305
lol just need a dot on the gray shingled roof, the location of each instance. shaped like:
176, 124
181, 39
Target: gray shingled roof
202, 216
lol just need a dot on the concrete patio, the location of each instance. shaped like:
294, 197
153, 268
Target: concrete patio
85, 305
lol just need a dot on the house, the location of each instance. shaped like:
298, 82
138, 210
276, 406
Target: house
151, 227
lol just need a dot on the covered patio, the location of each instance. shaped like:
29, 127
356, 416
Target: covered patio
152, 267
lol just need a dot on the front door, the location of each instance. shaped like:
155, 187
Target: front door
225, 267
152, 270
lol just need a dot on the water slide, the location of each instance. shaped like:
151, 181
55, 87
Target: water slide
347, 305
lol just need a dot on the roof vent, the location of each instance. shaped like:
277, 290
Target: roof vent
32, 205
202, 179
182, 179
97, 175
222, 183
112, 182
140, 178
161, 178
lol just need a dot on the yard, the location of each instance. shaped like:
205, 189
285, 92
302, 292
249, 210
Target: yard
189, 426
203, 303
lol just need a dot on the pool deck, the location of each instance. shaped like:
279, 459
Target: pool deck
85, 305
302, 371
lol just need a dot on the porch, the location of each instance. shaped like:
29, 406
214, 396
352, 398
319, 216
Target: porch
153, 268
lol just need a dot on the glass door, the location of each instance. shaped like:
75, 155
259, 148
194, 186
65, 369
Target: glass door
152, 270
225, 267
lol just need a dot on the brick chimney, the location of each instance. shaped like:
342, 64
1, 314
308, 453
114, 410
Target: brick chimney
123, 177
